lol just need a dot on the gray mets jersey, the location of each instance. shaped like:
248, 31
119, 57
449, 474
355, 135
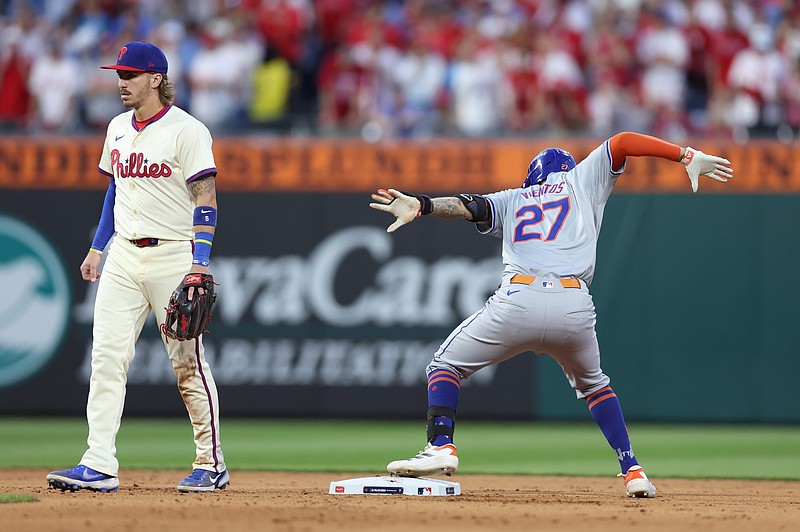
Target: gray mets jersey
543, 304
552, 228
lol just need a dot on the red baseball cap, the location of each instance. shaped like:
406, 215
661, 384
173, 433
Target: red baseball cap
140, 56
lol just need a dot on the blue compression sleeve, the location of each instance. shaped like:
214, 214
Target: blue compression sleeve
202, 248
105, 228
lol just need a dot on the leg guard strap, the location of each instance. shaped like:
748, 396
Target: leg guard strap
440, 430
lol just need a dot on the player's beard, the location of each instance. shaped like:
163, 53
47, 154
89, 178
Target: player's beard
132, 100
135, 98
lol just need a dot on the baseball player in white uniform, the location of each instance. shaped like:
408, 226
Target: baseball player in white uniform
161, 208
549, 228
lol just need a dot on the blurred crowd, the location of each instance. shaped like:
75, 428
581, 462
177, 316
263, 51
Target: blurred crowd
416, 68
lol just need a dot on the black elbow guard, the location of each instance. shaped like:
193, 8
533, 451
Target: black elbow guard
477, 205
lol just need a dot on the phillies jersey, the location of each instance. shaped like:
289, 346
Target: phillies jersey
151, 166
552, 228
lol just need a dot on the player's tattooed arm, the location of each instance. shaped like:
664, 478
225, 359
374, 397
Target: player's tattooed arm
471, 207
405, 207
204, 191
204, 195
449, 207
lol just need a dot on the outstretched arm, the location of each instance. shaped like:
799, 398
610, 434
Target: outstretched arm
697, 163
629, 144
405, 208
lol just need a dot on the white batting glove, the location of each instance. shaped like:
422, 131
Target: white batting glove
698, 163
404, 208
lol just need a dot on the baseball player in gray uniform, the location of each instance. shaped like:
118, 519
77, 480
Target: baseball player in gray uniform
161, 209
549, 228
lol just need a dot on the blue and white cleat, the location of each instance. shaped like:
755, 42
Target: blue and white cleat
81, 477
202, 480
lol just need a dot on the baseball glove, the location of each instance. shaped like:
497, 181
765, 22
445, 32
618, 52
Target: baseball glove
188, 318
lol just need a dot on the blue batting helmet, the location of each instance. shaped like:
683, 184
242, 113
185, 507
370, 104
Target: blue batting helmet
548, 161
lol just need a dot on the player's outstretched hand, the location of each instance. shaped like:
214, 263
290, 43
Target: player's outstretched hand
698, 163
404, 208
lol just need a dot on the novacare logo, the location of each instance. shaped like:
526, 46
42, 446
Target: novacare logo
34, 309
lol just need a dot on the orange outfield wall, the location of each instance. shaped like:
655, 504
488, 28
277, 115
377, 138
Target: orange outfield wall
435, 166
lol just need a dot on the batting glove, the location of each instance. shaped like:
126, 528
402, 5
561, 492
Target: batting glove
404, 208
698, 163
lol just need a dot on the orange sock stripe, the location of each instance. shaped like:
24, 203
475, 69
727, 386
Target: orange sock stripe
451, 380
599, 400
444, 375
598, 392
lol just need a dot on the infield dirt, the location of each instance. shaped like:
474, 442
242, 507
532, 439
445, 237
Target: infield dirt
148, 500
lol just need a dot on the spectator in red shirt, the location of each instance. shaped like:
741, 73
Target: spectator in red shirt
283, 23
330, 18
14, 96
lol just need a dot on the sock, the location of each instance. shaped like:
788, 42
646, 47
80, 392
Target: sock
444, 388
607, 413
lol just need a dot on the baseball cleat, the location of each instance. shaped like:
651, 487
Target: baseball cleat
429, 461
637, 484
202, 480
81, 477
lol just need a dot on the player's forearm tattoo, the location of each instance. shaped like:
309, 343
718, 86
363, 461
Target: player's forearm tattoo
202, 188
449, 208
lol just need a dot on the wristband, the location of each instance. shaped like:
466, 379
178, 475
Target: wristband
98, 251
202, 248
425, 204
687, 157
205, 215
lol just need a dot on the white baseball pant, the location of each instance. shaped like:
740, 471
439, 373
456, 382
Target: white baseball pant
134, 281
